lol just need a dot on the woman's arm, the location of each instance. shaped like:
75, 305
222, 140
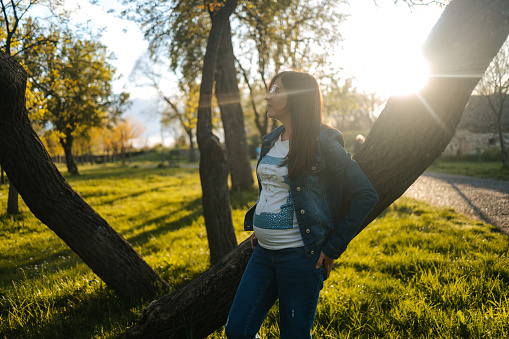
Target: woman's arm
355, 184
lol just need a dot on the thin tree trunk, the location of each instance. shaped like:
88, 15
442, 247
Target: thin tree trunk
505, 159
50, 198
66, 143
91, 157
122, 150
407, 137
213, 162
228, 98
12, 200
192, 153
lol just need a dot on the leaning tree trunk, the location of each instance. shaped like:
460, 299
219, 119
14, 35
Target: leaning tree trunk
409, 134
51, 199
205, 302
213, 163
228, 98
459, 49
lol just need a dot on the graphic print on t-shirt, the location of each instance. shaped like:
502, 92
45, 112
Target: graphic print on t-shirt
274, 209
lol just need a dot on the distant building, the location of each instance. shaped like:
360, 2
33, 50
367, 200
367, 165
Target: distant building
477, 130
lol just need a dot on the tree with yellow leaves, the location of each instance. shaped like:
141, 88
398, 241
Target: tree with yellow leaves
75, 77
123, 132
15, 31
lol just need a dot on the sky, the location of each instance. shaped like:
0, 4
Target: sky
382, 45
380, 49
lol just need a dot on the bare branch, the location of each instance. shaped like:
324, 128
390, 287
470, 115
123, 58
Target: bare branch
251, 95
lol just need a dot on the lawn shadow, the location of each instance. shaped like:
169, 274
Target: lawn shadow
82, 314
124, 172
132, 195
195, 206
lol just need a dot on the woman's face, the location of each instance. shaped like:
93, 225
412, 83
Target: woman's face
277, 102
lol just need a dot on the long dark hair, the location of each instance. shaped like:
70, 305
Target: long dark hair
305, 106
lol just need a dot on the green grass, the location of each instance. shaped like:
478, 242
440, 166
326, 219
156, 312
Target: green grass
415, 272
483, 169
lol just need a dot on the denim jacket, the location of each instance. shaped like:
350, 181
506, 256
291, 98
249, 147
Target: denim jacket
318, 195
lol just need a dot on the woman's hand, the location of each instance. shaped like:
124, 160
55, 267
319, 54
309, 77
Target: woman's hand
326, 262
254, 241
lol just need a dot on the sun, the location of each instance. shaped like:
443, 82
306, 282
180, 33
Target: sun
399, 73
402, 74
394, 69
386, 60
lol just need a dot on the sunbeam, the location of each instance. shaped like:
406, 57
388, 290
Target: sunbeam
432, 112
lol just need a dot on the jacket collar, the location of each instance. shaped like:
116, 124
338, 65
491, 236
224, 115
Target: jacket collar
278, 130
274, 134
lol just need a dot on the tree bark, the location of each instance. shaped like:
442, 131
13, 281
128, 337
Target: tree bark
192, 153
228, 98
414, 130
410, 133
213, 161
66, 143
503, 151
52, 200
12, 200
201, 307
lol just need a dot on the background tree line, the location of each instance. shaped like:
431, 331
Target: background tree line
54, 97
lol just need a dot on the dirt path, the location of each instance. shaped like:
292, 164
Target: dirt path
483, 199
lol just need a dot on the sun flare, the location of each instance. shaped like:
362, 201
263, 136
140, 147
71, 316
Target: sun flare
403, 75
388, 59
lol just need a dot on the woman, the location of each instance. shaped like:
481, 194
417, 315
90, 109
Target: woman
299, 230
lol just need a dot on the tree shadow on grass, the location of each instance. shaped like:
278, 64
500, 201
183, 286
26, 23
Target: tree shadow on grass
195, 206
64, 258
32, 261
37, 263
82, 315
124, 172
131, 195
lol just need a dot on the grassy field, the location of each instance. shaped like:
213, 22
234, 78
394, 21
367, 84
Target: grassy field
415, 272
491, 169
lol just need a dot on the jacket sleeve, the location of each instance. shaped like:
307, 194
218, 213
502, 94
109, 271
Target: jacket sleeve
354, 184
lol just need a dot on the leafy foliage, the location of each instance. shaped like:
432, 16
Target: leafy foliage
273, 36
75, 78
20, 35
269, 36
290, 33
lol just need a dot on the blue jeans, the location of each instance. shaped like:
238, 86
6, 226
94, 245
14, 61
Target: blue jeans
286, 274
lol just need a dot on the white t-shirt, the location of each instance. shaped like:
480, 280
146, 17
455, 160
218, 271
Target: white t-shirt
275, 222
